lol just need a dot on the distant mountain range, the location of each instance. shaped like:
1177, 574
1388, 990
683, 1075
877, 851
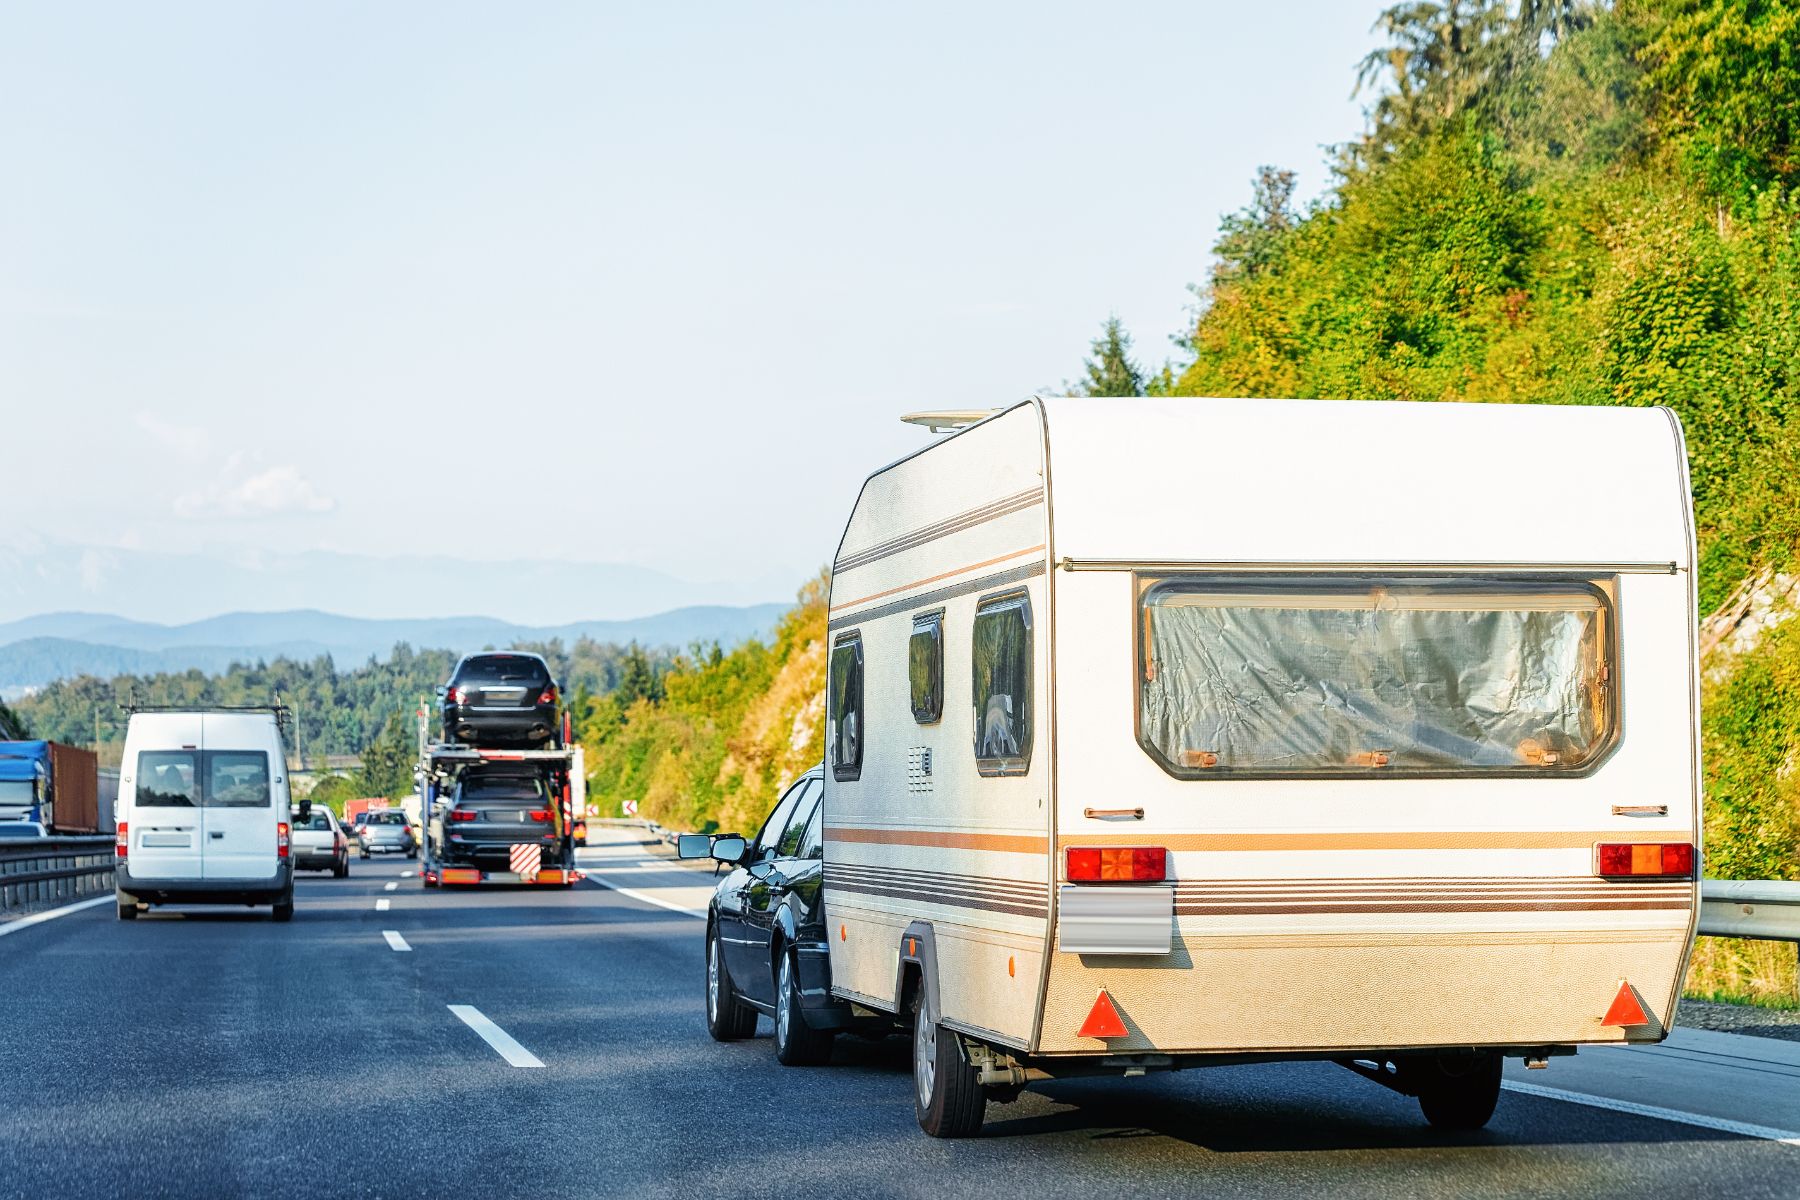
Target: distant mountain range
38, 650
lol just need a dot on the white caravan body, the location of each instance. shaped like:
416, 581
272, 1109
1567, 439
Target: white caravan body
1372, 683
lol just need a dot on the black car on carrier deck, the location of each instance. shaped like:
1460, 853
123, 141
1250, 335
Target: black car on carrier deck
492, 809
501, 699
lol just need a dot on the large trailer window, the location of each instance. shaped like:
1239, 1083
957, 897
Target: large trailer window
1001, 654
1337, 677
925, 667
844, 714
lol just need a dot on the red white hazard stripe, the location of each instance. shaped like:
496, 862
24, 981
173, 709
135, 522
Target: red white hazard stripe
526, 860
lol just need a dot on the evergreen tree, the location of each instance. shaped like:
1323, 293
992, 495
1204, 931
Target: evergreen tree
1110, 372
638, 678
387, 765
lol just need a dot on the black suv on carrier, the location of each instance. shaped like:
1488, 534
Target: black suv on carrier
501, 699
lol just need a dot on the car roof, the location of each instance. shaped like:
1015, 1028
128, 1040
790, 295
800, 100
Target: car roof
469, 658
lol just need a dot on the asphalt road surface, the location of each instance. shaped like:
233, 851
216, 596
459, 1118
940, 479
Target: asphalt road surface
550, 1043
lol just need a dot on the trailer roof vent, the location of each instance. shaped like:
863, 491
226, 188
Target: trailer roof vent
947, 419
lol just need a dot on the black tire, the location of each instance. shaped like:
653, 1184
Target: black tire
1457, 1093
797, 1044
128, 911
284, 908
947, 1094
728, 1019
342, 870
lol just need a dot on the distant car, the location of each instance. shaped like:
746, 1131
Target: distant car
18, 831
491, 810
766, 941
385, 831
504, 699
318, 842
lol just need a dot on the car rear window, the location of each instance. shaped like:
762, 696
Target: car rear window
503, 669
489, 790
386, 818
317, 820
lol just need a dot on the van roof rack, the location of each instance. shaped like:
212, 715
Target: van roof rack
132, 706
950, 418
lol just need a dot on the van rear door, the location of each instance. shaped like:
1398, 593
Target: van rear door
161, 779
238, 799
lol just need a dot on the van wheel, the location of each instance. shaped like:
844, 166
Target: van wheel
128, 912
284, 908
727, 1017
797, 1044
1456, 1092
947, 1095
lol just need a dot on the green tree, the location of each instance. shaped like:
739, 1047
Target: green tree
1110, 371
639, 678
387, 765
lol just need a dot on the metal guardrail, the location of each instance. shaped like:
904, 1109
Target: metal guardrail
1750, 909
38, 871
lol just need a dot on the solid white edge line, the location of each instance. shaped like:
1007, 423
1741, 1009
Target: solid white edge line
637, 895
390, 887
394, 940
1741, 1128
52, 914
381, 905
493, 1035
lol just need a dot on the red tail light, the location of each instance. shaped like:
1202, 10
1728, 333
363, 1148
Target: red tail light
281, 840
458, 695
540, 814
337, 841
1123, 864
124, 847
1615, 860
463, 814
547, 696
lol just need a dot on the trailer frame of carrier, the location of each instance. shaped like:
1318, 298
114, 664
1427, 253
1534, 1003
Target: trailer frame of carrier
438, 768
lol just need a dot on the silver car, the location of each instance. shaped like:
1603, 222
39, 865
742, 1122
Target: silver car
385, 831
317, 842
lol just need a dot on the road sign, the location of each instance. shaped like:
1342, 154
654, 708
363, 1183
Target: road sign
630, 807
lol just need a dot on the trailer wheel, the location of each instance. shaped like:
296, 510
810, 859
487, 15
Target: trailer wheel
1459, 1092
728, 1019
797, 1044
947, 1095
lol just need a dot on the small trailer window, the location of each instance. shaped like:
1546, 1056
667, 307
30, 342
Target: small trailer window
1001, 654
1316, 677
844, 716
925, 667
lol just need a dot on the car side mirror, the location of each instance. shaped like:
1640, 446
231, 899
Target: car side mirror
694, 845
729, 849
442, 692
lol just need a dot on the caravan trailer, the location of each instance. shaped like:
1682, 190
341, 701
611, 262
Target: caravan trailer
1173, 732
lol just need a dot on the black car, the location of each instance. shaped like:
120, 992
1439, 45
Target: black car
491, 810
504, 699
766, 949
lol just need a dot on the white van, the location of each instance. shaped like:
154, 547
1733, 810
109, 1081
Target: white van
203, 812
1163, 733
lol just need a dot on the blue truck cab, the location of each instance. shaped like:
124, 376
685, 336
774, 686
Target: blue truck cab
24, 781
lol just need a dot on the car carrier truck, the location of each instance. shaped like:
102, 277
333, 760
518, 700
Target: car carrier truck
521, 834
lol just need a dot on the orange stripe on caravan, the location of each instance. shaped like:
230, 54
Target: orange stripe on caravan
1012, 842
934, 578
1445, 839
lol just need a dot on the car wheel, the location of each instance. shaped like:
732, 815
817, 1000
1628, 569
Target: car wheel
128, 912
363, 854
342, 870
728, 1019
1456, 1092
797, 1044
947, 1095
284, 908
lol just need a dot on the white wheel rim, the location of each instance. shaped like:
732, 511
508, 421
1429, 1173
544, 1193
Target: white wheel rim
924, 1054
781, 1009
712, 979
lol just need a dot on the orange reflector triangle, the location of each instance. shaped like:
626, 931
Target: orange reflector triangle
1625, 1009
1103, 1020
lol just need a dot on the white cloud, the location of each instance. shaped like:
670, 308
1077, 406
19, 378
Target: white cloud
190, 443
276, 491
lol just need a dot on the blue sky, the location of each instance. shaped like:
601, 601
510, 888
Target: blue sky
644, 284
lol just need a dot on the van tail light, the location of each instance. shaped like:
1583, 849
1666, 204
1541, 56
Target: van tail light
281, 839
1624, 860
123, 849
463, 814
540, 814
1122, 864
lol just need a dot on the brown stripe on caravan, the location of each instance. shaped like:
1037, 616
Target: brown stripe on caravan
1412, 839
952, 900
1416, 905
1019, 889
1005, 506
1037, 549
1011, 843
